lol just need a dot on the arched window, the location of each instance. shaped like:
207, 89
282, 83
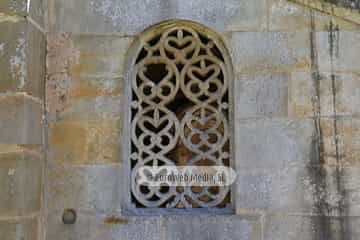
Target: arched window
179, 112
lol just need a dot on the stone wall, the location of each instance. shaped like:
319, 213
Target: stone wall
297, 120
22, 67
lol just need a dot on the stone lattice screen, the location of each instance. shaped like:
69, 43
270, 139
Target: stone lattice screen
180, 114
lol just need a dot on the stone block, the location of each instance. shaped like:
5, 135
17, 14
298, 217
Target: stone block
348, 130
101, 226
21, 183
211, 227
273, 142
96, 86
22, 58
302, 95
255, 52
340, 141
95, 189
130, 17
82, 69
347, 94
321, 190
95, 142
263, 95
320, 228
279, 227
24, 229
333, 93
100, 56
20, 120
287, 16
10, 7
348, 192
338, 51
283, 190
92, 108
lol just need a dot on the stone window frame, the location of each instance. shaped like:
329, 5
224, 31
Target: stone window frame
127, 206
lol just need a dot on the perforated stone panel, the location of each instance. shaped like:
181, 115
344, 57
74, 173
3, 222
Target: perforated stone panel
180, 77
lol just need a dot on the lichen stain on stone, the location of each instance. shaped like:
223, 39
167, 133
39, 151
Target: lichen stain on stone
61, 57
325, 182
115, 220
18, 63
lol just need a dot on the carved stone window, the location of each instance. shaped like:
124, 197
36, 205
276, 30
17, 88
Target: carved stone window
180, 114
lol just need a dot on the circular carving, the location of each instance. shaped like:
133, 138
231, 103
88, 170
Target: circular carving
204, 129
155, 130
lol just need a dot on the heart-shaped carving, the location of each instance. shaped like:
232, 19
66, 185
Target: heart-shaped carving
183, 45
203, 73
154, 125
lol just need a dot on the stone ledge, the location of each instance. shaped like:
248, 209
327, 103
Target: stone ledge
351, 15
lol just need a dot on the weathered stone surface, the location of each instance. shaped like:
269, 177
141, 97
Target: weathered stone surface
20, 120
101, 226
25, 229
273, 142
309, 228
310, 96
348, 130
340, 141
270, 51
13, 55
124, 16
37, 11
348, 190
13, 7
100, 56
323, 21
334, 8
302, 95
283, 189
61, 57
280, 169
20, 180
210, 227
333, 93
14, 148
347, 94
286, 16
36, 61
338, 51
95, 142
289, 227
96, 86
93, 108
83, 70
318, 190
85, 188
21, 44
264, 95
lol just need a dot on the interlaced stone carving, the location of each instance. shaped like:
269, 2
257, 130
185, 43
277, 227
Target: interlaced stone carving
180, 113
